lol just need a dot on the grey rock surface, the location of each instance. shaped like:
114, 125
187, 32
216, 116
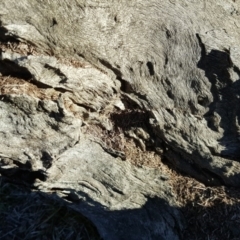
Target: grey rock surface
46, 144
123, 201
173, 63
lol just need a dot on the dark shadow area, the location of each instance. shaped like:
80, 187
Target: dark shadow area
9, 68
126, 86
218, 222
224, 111
46, 159
150, 68
22, 173
131, 120
44, 213
128, 119
4, 37
28, 213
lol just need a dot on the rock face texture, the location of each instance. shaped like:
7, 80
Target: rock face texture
80, 81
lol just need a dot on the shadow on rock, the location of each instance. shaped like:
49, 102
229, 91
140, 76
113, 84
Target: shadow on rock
32, 214
27, 212
218, 222
224, 111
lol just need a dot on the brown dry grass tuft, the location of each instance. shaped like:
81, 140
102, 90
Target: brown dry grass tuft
141, 158
74, 63
26, 49
12, 85
117, 140
211, 212
19, 47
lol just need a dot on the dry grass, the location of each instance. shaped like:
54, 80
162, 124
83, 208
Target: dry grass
211, 212
26, 49
19, 47
141, 158
117, 139
31, 215
74, 63
13, 85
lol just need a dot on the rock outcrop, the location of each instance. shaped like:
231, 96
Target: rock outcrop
84, 84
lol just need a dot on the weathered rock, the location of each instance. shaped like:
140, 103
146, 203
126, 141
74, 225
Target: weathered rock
42, 129
185, 68
174, 64
123, 201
